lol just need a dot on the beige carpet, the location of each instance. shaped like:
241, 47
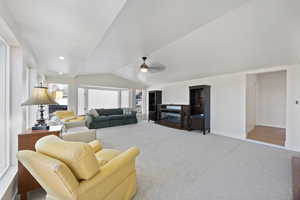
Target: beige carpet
181, 165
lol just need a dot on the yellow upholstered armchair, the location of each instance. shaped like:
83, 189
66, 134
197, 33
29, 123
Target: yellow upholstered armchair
81, 171
69, 119
68, 116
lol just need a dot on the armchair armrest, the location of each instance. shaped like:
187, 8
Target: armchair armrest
110, 175
120, 161
96, 145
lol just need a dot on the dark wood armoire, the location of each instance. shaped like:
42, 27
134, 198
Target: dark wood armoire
154, 99
200, 108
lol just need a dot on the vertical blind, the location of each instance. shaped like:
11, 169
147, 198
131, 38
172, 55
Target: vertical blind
124, 98
103, 98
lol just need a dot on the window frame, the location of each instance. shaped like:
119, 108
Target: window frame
6, 85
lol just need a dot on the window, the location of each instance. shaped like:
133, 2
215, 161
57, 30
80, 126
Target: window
81, 109
98, 98
139, 101
4, 105
59, 92
125, 98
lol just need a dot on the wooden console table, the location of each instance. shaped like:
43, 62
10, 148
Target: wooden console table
26, 141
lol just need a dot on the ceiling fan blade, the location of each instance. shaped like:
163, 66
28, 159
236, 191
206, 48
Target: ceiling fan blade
155, 69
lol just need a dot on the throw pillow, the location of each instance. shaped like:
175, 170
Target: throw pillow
94, 113
126, 111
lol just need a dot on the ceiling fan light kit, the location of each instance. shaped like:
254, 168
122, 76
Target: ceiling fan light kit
152, 68
144, 67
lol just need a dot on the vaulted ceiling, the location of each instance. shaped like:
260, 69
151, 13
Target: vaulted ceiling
192, 38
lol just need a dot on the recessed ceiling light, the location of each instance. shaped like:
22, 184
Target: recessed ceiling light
61, 58
60, 73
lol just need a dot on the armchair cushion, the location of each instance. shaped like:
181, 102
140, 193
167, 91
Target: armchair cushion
78, 156
118, 170
68, 116
74, 119
64, 114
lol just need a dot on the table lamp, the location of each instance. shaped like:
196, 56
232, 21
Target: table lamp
41, 98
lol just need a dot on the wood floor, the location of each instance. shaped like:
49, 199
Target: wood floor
268, 134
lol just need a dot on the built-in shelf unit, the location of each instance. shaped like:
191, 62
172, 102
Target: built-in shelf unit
154, 98
200, 108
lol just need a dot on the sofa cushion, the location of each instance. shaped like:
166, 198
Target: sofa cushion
115, 111
101, 118
116, 117
78, 156
127, 111
129, 116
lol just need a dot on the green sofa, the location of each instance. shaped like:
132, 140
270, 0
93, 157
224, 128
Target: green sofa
109, 118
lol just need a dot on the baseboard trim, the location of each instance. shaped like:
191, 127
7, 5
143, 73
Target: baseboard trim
222, 134
257, 142
15, 196
271, 125
7, 181
267, 144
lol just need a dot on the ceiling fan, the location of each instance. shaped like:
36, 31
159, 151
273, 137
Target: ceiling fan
153, 68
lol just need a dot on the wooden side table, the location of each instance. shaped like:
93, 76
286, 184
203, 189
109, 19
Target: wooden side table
26, 141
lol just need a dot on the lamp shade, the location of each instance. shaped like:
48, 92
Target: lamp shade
39, 96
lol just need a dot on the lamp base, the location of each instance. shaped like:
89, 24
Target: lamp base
40, 123
45, 127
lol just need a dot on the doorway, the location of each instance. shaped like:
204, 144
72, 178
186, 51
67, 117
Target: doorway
266, 107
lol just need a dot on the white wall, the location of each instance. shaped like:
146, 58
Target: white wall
102, 80
17, 96
271, 99
293, 109
227, 101
8, 183
17, 121
251, 94
32, 80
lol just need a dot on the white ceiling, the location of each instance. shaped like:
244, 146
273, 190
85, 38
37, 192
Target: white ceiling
192, 38
69, 28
